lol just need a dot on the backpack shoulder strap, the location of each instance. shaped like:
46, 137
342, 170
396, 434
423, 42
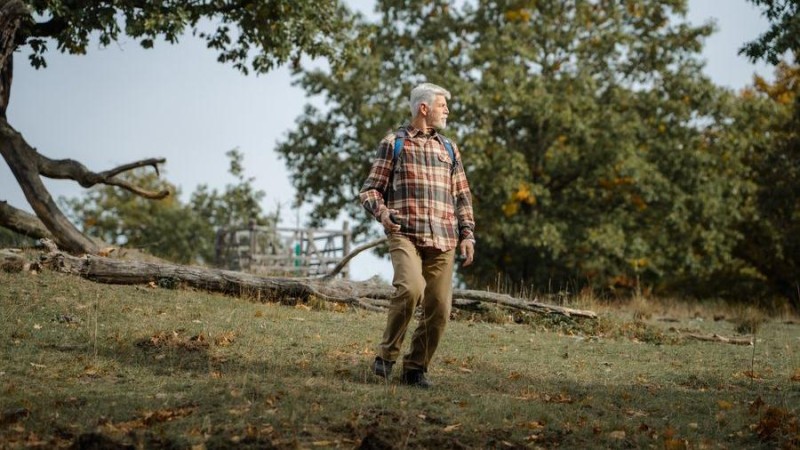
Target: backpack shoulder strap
449, 146
399, 141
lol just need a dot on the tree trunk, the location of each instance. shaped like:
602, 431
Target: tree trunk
22, 223
21, 158
363, 294
11, 14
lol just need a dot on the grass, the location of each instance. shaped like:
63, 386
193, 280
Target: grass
96, 366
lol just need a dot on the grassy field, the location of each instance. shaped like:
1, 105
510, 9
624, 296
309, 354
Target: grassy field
97, 366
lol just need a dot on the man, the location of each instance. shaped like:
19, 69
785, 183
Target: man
418, 191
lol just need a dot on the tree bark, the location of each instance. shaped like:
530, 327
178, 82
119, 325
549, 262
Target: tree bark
11, 14
22, 223
364, 294
21, 158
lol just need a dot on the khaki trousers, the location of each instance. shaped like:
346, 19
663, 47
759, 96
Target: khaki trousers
421, 275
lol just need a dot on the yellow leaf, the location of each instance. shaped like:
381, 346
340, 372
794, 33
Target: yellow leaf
723, 404
796, 376
303, 307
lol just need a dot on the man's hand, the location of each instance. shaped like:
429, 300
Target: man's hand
387, 223
467, 251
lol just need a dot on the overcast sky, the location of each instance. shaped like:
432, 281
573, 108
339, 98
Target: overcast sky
122, 103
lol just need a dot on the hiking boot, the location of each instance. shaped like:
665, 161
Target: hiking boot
416, 378
382, 367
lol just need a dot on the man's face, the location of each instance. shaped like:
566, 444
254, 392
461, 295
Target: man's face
437, 115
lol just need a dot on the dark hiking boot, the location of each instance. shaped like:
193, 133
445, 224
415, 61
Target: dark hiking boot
416, 378
382, 367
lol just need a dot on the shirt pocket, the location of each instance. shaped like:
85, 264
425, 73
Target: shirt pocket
444, 158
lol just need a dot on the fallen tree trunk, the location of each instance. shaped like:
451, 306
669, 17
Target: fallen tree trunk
364, 294
22, 223
717, 338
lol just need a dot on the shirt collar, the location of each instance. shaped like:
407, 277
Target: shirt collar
414, 132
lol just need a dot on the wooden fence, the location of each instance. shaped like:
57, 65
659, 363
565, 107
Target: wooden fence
266, 250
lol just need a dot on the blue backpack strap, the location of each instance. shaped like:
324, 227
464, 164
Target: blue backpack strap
399, 141
449, 146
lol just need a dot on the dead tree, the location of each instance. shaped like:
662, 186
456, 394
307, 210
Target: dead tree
364, 294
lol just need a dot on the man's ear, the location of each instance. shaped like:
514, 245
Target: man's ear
423, 109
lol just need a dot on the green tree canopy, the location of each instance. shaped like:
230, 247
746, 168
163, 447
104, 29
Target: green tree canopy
769, 121
783, 34
250, 34
587, 130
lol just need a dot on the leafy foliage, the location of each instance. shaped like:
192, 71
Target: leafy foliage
250, 34
772, 164
589, 134
783, 34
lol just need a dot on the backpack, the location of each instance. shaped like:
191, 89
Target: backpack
400, 138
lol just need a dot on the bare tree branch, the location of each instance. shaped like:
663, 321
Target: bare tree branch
352, 255
21, 160
73, 170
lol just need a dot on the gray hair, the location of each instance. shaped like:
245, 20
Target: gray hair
425, 93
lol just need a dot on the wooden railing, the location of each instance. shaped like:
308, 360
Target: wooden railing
266, 250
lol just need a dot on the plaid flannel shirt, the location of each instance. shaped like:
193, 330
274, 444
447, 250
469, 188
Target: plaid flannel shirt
434, 202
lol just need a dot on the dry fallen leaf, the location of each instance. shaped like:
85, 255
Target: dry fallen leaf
796, 375
617, 435
452, 427
225, 339
535, 425
560, 398
302, 306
